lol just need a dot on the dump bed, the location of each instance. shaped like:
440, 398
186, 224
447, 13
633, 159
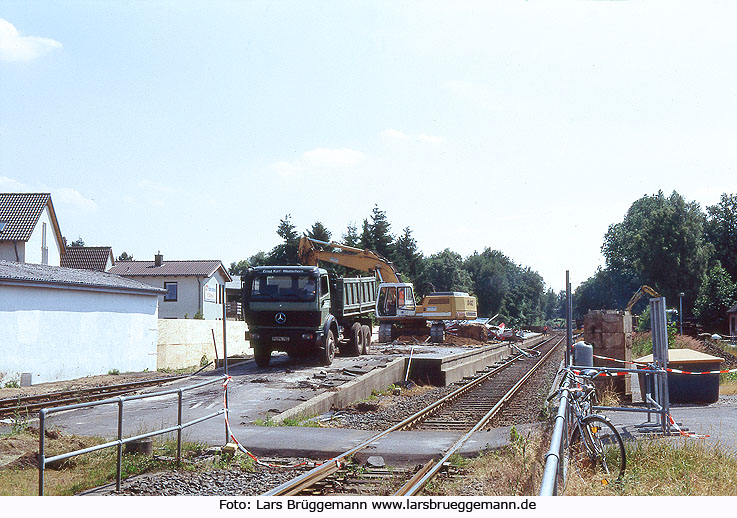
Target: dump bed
353, 296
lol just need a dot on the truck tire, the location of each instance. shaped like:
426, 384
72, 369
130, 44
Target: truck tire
327, 354
355, 340
366, 334
385, 333
262, 356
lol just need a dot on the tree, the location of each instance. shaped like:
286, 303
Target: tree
125, 257
446, 272
607, 289
239, 268
490, 271
350, 238
407, 258
286, 252
78, 243
716, 296
319, 231
366, 240
721, 232
381, 238
660, 241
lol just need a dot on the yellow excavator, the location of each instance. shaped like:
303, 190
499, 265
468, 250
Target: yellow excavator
395, 303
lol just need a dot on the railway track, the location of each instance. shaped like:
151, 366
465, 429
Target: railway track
468, 409
24, 405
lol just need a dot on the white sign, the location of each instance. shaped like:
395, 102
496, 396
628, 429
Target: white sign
210, 293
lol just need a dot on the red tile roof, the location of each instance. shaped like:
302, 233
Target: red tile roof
204, 268
87, 257
21, 212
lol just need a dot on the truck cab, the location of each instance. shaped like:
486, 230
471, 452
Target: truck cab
286, 309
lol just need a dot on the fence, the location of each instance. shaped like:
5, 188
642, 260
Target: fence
43, 413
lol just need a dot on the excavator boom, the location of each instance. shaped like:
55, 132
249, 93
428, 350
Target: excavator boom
350, 257
638, 295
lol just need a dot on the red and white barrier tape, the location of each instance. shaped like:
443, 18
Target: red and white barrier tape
243, 449
685, 434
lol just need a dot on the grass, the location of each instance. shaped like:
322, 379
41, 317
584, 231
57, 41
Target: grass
307, 422
97, 468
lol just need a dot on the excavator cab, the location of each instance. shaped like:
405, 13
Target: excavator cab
395, 300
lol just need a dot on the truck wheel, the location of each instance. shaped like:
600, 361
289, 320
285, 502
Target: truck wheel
328, 352
262, 356
355, 340
366, 333
385, 333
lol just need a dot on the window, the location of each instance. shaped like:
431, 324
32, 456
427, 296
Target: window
171, 292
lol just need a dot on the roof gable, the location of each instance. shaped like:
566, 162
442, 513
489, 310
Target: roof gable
87, 257
21, 211
203, 268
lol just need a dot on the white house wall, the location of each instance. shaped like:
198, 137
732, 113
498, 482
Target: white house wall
190, 296
33, 245
59, 334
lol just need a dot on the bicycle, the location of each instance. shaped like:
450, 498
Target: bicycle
595, 447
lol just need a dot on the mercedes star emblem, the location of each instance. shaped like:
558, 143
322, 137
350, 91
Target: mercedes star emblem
280, 318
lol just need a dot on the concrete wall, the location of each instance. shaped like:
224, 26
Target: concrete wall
182, 343
610, 333
59, 334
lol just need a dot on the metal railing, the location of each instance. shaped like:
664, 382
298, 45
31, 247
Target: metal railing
555, 469
43, 413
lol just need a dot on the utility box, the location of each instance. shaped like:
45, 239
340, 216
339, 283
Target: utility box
689, 388
610, 333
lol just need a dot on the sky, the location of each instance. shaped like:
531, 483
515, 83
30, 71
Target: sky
193, 127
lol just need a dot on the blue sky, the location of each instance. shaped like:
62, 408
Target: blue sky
193, 127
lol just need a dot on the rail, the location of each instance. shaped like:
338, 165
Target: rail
554, 467
43, 413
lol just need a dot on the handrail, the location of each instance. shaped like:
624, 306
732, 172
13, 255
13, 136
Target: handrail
554, 468
43, 461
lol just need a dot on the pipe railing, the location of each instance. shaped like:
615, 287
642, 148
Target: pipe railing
555, 469
43, 413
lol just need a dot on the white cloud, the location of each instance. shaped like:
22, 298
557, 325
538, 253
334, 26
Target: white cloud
394, 134
13, 185
323, 157
73, 198
14, 47
320, 158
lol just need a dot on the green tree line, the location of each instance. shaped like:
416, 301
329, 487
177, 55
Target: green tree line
671, 244
516, 293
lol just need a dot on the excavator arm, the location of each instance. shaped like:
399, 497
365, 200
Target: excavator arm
363, 260
638, 295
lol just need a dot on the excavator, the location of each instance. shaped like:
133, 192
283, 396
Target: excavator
395, 303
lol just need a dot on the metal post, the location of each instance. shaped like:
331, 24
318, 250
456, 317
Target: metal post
41, 450
179, 427
225, 368
659, 329
569, 320
680, 310
119, 472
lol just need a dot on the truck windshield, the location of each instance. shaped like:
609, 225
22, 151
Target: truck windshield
283, 288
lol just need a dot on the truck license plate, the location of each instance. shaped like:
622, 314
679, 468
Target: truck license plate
279, 338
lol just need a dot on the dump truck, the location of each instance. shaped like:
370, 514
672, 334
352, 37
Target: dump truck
302, 310
395, 303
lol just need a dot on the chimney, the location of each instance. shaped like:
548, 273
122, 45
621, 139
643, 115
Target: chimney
158, 259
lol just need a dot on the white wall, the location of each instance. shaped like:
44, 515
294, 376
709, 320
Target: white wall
33, 245
183, 343
59, 334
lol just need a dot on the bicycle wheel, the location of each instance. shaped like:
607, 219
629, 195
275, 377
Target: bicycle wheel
598, 455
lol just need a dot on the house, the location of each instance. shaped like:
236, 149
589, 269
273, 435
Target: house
29, 230
98, 258
191, 287
233, 298
732, 315
59, 323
